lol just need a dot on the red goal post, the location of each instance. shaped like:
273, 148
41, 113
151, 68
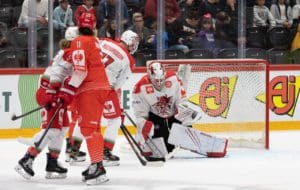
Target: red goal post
232, 95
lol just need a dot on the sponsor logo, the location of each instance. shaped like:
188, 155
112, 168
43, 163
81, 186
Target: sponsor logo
215, 95
283, 94
149, 89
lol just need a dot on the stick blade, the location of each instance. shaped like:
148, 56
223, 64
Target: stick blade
14, 117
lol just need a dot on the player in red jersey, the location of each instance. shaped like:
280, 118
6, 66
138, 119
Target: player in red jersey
93, 87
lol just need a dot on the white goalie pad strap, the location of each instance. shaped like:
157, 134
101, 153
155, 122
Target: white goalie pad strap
155, 148
196, 141
188, 114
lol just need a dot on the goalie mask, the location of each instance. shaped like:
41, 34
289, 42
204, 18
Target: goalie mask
156, 74
131, 39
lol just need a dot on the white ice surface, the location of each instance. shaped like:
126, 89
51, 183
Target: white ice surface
242, 169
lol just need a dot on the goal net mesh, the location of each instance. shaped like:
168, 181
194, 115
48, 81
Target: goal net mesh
231, 94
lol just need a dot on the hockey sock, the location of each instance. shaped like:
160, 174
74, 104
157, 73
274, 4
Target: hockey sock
94, 143
33, 151
111, 132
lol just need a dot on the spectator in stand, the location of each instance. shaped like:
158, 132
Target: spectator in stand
106, 10
183, 32
87, 6
206, 35
210, 6
3, 35
262, 15
296, 40
282, 13
41, 13
268, 3
232, 10
189, 5
62, 16
172, 11
143, 32
153, 39
296, 13
108, 30
223, 30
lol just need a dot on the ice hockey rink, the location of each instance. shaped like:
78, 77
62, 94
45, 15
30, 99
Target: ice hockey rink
242, 169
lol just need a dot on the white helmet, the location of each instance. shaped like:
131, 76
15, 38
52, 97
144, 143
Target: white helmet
71, 33
131, 39
156, 74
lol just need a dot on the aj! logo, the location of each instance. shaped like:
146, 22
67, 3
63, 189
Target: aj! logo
215, 95
283, 94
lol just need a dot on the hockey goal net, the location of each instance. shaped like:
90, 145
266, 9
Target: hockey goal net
232, 95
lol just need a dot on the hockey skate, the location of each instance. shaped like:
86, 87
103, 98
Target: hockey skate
95, 174
109, 159
54, 170
24, 167
73, 154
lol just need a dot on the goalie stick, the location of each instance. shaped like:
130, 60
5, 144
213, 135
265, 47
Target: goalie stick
15, 117
144, 160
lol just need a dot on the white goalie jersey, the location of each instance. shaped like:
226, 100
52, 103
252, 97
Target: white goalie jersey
162, 103
117, 60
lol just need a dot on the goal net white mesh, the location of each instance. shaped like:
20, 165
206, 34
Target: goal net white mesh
231, 93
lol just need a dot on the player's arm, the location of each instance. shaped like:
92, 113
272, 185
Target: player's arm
141, 109
187, 112
80, 68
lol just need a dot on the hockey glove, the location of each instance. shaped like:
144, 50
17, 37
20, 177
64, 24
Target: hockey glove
148, 130
66, 93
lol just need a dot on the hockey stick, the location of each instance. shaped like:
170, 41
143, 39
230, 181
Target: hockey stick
145, 160
149, 139
38, 143
142, 161
138, 150
15, 117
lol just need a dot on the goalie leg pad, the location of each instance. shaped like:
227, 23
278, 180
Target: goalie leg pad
155, 148
198, 142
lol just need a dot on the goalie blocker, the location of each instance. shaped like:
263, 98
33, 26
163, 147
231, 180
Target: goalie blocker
198, 142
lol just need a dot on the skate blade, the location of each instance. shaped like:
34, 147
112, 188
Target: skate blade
108, 163
22, 172
54, 175
97, 181
155, 164
72, 160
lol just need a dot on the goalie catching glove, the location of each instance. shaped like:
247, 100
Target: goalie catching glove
188, 113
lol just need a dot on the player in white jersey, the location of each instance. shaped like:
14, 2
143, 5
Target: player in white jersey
160, 103
118, 61
116, 56
155, 100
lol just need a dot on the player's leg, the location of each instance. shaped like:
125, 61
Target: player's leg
161, 129
90, 129
111, 112
25, 164
74, 138
54, 170
197, 141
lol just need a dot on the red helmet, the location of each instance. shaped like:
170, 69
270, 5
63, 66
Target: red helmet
87, 20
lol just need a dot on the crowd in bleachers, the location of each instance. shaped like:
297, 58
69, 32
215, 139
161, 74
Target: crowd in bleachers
193, 28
